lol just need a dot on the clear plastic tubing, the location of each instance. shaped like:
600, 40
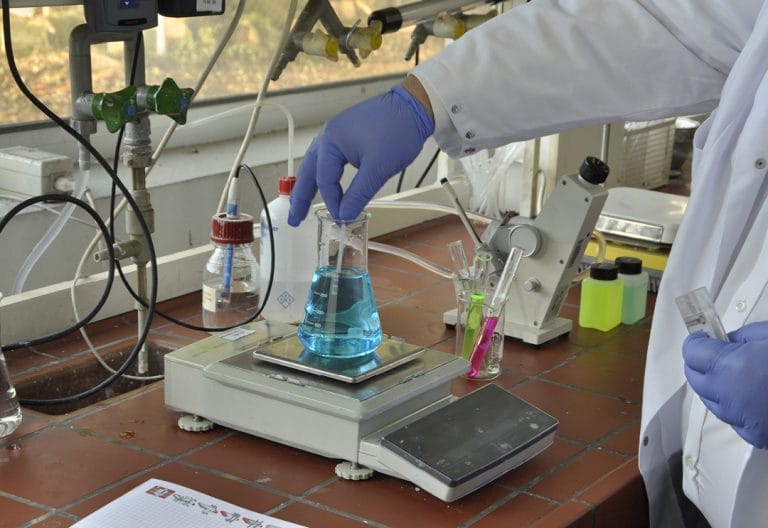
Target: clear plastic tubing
81, 183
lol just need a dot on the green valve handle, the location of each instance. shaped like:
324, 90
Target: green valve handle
116, 108
168, 99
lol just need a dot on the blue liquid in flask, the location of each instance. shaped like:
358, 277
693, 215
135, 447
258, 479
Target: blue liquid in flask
353, 329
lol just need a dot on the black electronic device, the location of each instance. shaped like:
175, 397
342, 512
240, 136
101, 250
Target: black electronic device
110, 16
190, 8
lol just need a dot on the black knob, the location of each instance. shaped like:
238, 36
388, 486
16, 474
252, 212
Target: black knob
594, 170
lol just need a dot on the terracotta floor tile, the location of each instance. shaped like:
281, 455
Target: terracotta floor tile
521, 511
633, 342
571, 514
399, 504
25, 359
274, 465
604, 372
625, 441
548, 460
618, 498
414, 325
57, 521
313, 517
532, 360
14, 513
101, 333
227, 489
437, 232
59, 465
390, 284
144, 421
589, 337
29, 424
578, 475
582, 415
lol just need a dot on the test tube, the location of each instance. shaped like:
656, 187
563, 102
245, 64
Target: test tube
498, 299
461, 278
483, 268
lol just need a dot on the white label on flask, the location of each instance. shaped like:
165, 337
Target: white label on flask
209, 5
209, 298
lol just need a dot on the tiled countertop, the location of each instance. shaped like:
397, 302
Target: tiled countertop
56, 469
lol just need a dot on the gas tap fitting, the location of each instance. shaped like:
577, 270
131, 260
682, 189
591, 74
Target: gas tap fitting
115, 108
365, 40
166, 99
443, 26
318, 43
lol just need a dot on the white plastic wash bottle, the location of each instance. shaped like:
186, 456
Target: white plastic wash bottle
295, 258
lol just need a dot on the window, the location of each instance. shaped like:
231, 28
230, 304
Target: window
180, 48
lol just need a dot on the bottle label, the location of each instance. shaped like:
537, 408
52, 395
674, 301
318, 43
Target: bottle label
209, 298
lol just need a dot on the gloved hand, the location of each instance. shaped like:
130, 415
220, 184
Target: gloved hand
731, 378
379, 137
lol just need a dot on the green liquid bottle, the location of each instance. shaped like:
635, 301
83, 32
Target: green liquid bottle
601, 298
635, 289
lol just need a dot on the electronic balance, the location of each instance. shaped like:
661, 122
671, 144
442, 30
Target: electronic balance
391, 412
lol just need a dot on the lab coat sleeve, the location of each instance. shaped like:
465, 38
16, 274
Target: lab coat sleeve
552, 65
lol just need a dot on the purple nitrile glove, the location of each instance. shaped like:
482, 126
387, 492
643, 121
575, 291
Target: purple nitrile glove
380, 137
730, 378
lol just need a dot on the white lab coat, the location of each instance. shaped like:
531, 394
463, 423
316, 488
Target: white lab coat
551, 65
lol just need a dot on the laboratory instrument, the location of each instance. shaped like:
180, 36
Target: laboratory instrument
107, 16
641, 217
395, 415
231, 275
601, 297
293, 253
340, 318
186, 8
699, 314
635, 288
553, 245
10, 411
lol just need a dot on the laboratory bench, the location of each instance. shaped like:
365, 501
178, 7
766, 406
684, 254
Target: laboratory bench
58, 468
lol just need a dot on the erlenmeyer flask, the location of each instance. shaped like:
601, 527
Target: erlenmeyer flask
340, 319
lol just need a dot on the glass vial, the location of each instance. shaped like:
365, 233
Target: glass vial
231, 275
601, 298
10, 411
340, 319
635, 291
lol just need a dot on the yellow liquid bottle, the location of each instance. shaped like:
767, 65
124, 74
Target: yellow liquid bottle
601, 298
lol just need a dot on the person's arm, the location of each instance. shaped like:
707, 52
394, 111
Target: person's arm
552, 65
540, 68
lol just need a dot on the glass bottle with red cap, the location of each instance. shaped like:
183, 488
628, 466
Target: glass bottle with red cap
231, 275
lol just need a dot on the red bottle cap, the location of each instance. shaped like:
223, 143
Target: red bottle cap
232, 230
285, 184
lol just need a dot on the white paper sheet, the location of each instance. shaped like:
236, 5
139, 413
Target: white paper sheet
161, 504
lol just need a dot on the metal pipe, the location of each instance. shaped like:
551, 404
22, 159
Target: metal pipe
142, 365
394, 18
